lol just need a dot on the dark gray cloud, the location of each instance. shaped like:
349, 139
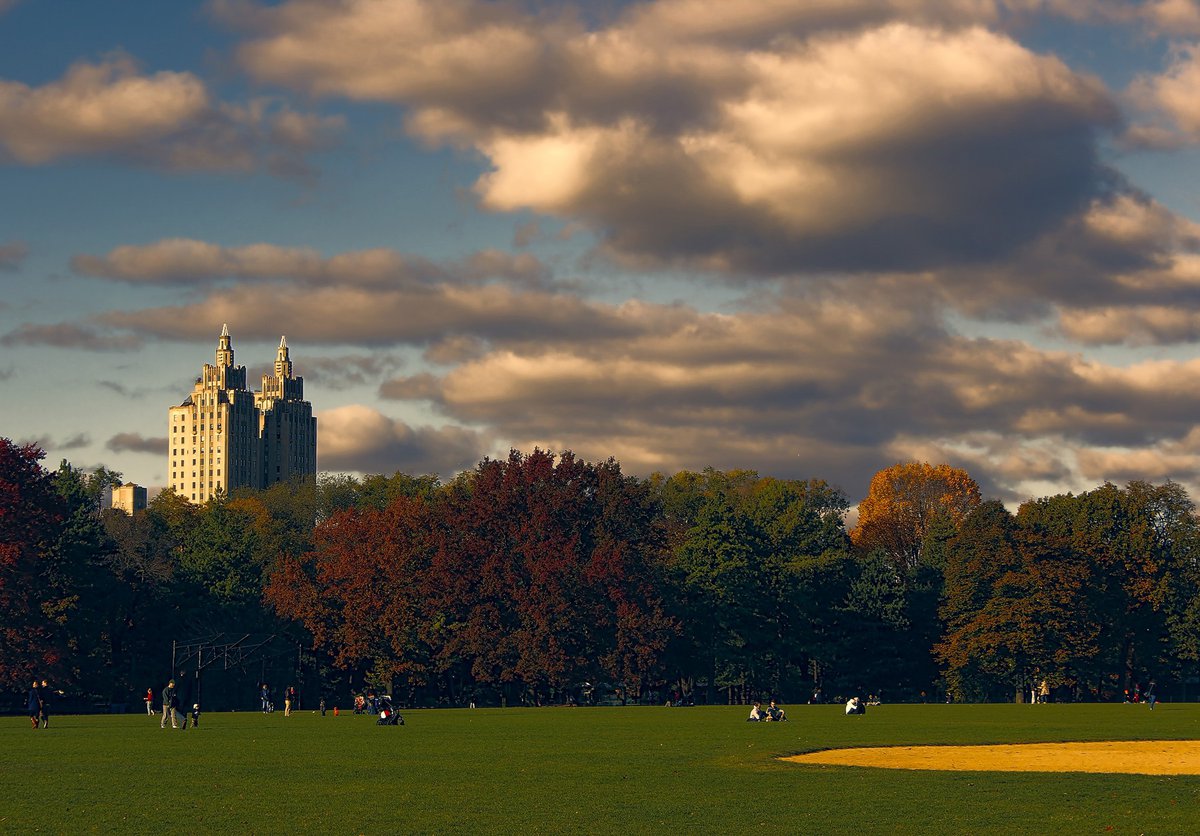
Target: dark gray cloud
136, 443
70, 335
12, 254
52, 445
347, 370
339, 315
835, 383
126, 391
1125, 250
359, 438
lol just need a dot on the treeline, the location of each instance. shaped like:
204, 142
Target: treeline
542, 579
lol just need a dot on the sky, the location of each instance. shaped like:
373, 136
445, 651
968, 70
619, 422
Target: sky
811, 238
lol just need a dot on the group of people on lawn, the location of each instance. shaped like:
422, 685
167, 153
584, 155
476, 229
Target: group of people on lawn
772, 713
170, 708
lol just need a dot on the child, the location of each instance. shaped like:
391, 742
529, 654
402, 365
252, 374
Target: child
195, 715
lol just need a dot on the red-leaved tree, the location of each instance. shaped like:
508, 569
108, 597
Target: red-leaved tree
31, 517
361, 590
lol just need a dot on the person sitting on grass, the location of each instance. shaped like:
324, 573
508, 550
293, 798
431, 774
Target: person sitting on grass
756, 713
775, 713
855, 706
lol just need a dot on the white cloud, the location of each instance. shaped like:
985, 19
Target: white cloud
1168, 102
192, 262
166, 119
848, 141
97, 108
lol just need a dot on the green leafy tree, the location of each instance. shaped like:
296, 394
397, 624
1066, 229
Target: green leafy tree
81, 588
748, 560
1019, 604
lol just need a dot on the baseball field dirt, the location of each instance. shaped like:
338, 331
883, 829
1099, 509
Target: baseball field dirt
1144, 757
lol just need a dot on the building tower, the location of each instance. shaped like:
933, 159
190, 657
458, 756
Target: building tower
287, 428
213, 434
129, 498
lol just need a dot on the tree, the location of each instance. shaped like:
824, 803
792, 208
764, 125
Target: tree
31, 517
1141, 543
528, 576
902, 504
1018, 605
361, 591
547, 575
80, 591
752, 571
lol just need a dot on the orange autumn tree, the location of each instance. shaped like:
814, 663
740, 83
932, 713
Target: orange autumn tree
902, 504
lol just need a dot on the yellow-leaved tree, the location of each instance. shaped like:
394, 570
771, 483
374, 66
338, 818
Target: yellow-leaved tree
904, 501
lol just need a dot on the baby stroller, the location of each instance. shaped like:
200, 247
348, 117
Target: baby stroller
388, 716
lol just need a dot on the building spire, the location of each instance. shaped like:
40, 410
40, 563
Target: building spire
224, 348
283, 363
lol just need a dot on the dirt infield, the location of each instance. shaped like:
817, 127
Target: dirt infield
1144, 757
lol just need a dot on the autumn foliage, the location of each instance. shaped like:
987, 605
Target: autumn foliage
540, 578
529, 574
904, 500
31, 513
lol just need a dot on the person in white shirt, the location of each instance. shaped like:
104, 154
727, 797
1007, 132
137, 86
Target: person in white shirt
756, 713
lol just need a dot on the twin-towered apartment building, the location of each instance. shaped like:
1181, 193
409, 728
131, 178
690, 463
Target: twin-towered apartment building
224, 436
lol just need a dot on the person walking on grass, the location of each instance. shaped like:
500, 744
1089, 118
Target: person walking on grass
45, 712
35, 704
149, 698
170, 703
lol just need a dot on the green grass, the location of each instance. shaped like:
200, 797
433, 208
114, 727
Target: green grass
594, 770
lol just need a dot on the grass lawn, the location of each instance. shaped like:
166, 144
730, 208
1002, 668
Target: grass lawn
582, 770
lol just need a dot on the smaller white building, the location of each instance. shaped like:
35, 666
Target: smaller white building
129, 498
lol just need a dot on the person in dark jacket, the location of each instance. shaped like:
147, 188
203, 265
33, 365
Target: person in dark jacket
35, 704
170, 702
45, 712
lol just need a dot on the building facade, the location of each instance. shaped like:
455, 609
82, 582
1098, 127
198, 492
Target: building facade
129, 498
224, 436
286, 424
